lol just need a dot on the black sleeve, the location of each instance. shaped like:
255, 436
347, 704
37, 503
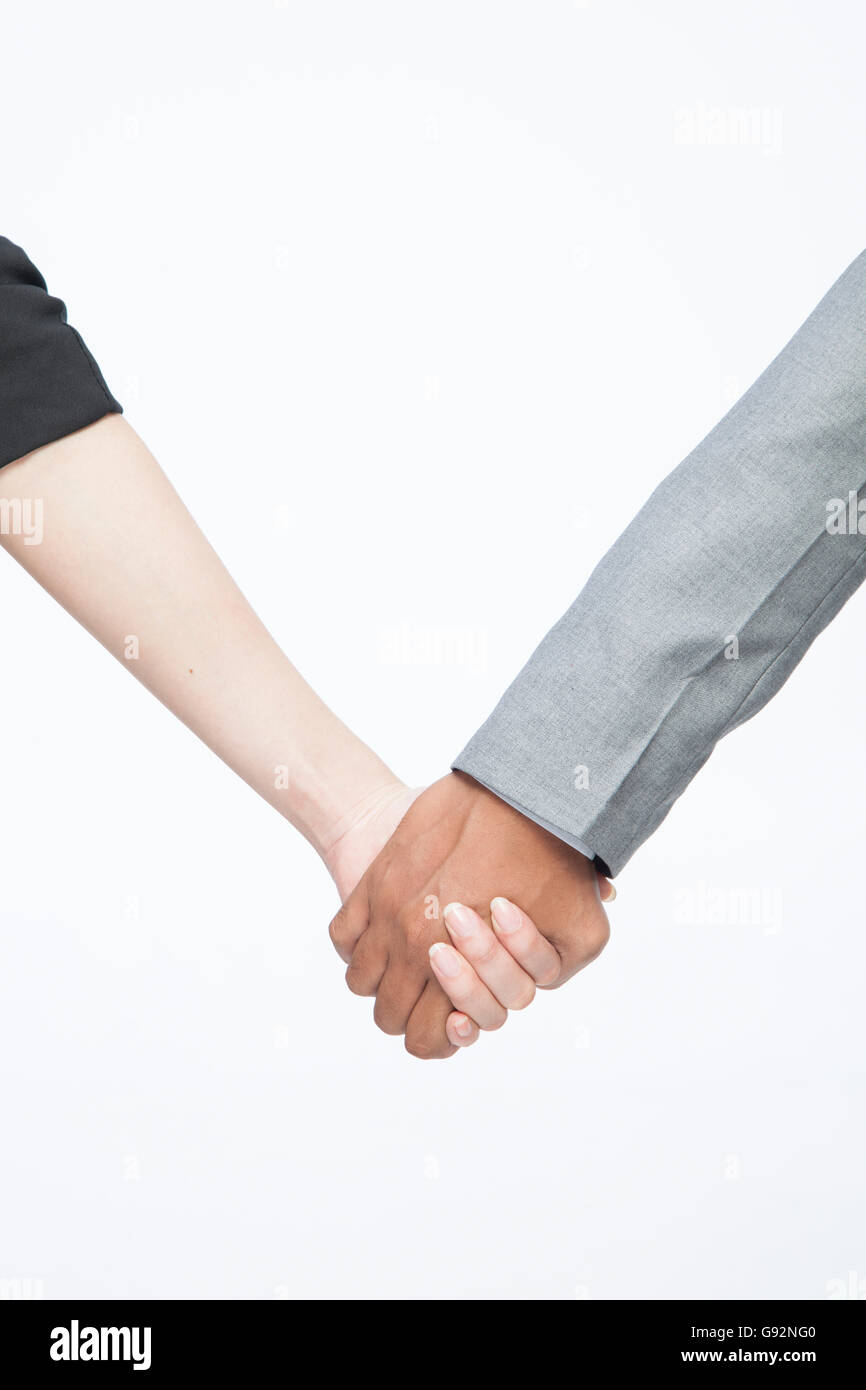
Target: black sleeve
49, 383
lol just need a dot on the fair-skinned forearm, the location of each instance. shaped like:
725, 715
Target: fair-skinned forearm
122, 554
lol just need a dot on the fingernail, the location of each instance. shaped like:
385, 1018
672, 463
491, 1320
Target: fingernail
445, 959
464, 1029
611, 895
505, 915
459, 919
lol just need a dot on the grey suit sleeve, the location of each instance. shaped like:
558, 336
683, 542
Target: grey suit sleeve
700, 611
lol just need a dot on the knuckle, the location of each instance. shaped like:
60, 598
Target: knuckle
483, 952
386, 1018
337, 928
598, 937
497, 1018
357, 981
425, 1048
547, 978
525, 996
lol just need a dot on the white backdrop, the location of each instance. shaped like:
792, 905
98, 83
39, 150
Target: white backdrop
416, 303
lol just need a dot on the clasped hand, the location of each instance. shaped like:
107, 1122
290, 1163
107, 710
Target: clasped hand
465, 911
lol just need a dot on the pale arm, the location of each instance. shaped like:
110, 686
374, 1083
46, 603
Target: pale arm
122, 554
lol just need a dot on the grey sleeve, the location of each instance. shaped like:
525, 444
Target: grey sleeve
705, 604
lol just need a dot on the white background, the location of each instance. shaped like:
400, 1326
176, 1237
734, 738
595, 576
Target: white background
416, 303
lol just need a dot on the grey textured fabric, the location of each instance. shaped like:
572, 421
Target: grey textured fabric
626, 697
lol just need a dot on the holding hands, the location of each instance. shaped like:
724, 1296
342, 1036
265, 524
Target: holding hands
466, 909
